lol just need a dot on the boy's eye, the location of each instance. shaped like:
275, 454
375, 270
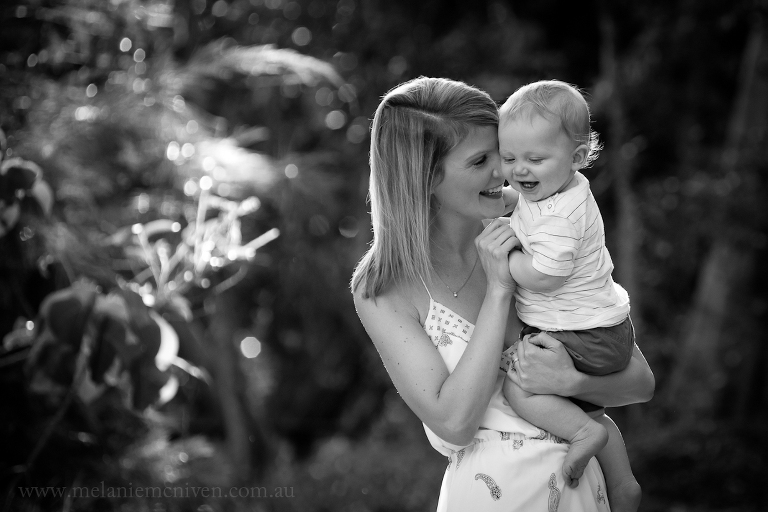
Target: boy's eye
536, 160
509, 160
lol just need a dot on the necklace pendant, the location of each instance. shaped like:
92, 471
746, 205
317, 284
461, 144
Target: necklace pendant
455, 294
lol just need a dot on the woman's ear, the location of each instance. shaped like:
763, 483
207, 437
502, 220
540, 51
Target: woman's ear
579, 157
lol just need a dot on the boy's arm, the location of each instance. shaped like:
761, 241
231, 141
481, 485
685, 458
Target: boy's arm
521, 268
510, 196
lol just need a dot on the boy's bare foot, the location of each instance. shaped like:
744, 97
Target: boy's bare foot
589, 440
625, 497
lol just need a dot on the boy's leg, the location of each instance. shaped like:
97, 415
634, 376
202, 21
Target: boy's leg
562, 418
623, 490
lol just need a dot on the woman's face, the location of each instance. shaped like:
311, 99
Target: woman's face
472, 180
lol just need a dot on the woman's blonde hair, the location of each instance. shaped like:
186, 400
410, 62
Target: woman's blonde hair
415, 126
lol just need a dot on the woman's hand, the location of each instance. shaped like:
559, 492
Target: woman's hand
493, 247
543, 366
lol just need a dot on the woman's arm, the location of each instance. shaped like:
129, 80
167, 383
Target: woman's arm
544, 367
451, 405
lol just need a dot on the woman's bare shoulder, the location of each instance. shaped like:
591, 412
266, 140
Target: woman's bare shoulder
397, 299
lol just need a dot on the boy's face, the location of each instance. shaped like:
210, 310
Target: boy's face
537, 157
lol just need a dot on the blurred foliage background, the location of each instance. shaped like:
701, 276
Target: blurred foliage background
182, 202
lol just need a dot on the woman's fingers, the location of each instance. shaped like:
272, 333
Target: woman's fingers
495, 234
510, 243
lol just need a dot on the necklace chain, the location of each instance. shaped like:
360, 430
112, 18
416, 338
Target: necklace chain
456, 293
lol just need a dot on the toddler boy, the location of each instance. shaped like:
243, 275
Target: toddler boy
563, 272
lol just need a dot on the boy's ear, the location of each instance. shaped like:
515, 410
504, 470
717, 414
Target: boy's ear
579, 157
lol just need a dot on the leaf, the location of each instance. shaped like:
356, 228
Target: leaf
65, 313
17, 176
147, 382
220, 59
239, 165
159, 227
43, 194
169, 343
110, 334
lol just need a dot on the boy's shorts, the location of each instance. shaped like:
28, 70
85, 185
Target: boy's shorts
597, 351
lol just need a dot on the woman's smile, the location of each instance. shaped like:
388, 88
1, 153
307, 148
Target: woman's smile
493, 193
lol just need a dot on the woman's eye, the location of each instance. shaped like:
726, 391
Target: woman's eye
480, 161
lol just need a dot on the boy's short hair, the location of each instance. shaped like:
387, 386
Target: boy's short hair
558, 100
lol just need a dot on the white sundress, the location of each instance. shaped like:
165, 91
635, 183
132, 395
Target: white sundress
511, 465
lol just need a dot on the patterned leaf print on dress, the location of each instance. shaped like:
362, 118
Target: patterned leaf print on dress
517, 444
600, 495
504, 436
495, 490
444, 340
554, 494
459, 456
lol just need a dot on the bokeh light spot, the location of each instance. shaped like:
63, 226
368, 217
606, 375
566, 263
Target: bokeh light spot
347, 93
173, 151
301, 36
358, 130
397, 65
291, 171
209, 164
125, 44
250, 347
335, 119
348, 227
324, 96
187, 150
292, 10
220, 8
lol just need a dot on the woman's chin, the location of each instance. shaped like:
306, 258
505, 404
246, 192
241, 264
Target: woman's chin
492, 206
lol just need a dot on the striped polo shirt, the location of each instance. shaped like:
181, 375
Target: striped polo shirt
565, 235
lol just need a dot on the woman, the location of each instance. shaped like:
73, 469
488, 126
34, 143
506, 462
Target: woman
439, 320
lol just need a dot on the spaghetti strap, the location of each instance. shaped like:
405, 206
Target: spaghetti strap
425, 287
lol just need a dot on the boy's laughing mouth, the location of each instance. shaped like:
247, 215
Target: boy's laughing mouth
527, 186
